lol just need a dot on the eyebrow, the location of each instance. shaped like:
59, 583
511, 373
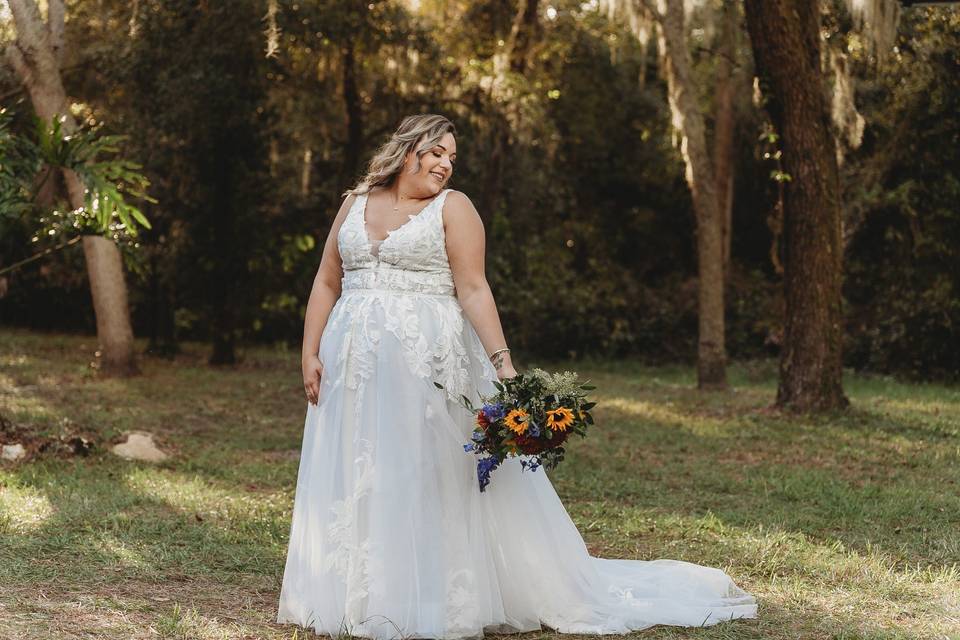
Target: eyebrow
444, 148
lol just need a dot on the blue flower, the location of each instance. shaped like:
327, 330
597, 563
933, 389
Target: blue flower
478, 436
485, 467
533, 430
468, 446
530, 464
494, 412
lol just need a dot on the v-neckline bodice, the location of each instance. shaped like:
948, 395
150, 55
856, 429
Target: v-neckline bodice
390, 232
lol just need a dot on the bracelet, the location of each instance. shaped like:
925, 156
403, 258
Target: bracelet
497, 359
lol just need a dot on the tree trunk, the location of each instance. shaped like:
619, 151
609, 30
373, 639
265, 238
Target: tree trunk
492, 193
354, 115
786, 47
163, 331
725, 127
34, 55
711, 351
523, 34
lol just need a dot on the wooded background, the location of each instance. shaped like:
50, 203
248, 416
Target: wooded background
250, 118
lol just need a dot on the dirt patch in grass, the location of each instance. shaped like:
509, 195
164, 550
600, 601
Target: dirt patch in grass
139, 609
63, 441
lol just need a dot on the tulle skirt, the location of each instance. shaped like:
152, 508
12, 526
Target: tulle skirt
391, 536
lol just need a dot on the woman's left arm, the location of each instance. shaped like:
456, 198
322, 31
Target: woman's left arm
466, 244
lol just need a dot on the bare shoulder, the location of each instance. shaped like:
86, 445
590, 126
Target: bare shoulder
347, 203
458, 206
345, 207
459, 200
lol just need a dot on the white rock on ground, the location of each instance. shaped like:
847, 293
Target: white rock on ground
12, 451
139, 446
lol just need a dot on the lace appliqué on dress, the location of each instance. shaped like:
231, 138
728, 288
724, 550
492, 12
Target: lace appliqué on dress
412, 283
352, 551
462, 609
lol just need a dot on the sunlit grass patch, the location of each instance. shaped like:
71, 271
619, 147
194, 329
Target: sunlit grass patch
21, 508
23, 404
667, 413
189, 624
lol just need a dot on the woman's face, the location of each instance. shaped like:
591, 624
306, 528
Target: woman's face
436, 165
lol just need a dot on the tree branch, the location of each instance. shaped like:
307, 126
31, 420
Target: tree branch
37, 256
651, 6
39, 69
29, 23
56, 16
19, 63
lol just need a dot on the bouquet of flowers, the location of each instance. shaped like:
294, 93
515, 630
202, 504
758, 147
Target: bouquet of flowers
532, 414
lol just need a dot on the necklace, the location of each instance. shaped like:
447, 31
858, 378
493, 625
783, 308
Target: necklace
396, 203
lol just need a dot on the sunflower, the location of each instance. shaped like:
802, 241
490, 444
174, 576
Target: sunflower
559, 419
516, 420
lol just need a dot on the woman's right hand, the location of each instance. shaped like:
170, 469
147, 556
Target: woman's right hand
312, 371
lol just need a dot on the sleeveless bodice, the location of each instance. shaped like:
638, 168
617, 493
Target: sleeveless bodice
412, 258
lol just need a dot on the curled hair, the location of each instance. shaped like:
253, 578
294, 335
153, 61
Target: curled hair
388, 160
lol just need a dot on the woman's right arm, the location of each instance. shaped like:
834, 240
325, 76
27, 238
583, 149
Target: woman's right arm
323, 295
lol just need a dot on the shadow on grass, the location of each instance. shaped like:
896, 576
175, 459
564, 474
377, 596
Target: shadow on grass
146, 537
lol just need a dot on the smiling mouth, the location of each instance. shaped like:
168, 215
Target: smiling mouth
438, 176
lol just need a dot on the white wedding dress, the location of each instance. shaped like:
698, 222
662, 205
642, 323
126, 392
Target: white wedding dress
391, 536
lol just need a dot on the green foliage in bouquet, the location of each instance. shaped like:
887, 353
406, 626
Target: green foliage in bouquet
532, 414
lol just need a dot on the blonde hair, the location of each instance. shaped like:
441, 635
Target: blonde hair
388, 160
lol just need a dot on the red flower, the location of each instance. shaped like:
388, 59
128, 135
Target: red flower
531, 445
482, 421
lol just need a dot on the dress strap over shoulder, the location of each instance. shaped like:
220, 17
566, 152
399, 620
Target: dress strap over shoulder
357, 204
438, 203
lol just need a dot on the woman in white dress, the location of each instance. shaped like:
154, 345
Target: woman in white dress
391, 536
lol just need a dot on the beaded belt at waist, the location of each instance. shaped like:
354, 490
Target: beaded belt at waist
390, 278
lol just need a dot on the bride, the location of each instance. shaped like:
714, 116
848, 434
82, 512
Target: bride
391, 536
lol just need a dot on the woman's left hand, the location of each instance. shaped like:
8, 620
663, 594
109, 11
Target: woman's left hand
506, 371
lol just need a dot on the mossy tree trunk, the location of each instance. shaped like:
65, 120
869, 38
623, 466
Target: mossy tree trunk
785, 36
688, 119
725, 124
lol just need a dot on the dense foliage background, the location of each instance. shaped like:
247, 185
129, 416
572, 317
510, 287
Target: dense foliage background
568, 156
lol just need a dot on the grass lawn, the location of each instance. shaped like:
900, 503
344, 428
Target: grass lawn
844, 527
